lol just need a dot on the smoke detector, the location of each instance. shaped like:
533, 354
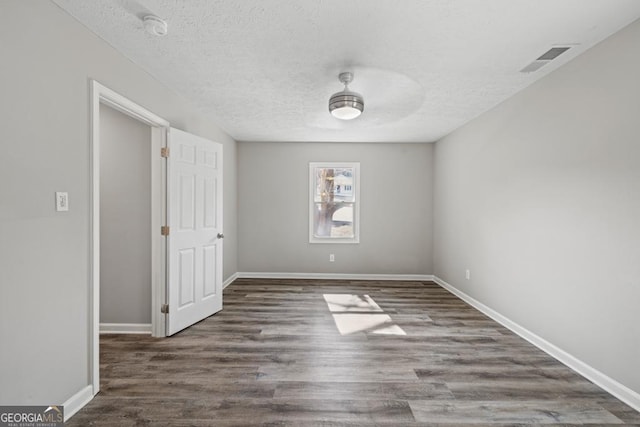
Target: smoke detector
155, 25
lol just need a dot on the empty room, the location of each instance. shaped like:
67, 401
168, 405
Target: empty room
320, 213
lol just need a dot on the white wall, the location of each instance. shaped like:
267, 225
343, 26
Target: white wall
540, 199
395, 213
47, 61
125, 219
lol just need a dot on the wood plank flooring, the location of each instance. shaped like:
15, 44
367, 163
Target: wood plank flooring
275, 357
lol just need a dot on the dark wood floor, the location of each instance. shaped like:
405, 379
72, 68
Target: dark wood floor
274, 356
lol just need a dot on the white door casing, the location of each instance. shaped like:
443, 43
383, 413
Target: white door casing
194, 243
101, 95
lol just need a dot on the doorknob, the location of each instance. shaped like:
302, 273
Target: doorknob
220, 236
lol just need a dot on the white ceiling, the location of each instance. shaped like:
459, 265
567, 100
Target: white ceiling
264, 70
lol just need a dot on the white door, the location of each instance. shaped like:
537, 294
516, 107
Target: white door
194, 242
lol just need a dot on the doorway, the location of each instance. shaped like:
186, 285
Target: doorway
125, 229
185, 211
101, 98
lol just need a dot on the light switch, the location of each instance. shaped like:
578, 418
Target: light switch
62, 201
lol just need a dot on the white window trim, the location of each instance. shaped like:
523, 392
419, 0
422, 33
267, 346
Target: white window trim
356, 203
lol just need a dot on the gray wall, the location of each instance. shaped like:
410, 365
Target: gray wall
395, 214
48, 59
125, 225
540, 199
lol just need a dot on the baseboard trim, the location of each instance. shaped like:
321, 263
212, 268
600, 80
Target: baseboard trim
77, 402
230, 280
335, 276
125, 328
607, 383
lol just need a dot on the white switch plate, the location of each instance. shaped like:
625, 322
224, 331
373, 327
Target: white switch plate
62, 201
332, 257
467, 274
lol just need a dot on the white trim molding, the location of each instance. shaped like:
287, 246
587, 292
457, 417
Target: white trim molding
230, 280
607, 383
125, 328
77, 402
336, 276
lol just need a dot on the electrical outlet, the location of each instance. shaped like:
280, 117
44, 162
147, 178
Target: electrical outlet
332, 257
62, 201
467, 274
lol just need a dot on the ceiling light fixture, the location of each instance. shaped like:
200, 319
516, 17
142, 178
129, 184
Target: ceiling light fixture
155, 26
346, 105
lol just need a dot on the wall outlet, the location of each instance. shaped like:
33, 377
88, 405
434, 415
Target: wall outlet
467, 274
62, 201
332, 257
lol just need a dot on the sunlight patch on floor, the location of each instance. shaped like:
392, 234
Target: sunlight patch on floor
351, 303
360, 313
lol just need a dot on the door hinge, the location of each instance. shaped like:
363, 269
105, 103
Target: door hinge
164, 230
164, 152
164, 309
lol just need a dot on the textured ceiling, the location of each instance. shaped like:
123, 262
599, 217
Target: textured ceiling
264, 69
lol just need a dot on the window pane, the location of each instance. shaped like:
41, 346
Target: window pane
333, 219
333, 184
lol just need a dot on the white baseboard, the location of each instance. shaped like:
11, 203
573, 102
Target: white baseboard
335, 276
77, 402
125, 328
230, 280
612, 386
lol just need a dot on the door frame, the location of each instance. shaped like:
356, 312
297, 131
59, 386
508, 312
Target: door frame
101, 95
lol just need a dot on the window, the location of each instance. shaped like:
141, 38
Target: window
334, 202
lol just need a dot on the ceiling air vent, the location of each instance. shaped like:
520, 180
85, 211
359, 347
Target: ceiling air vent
544, 59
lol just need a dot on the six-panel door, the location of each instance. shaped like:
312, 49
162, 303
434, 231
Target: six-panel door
194, 244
